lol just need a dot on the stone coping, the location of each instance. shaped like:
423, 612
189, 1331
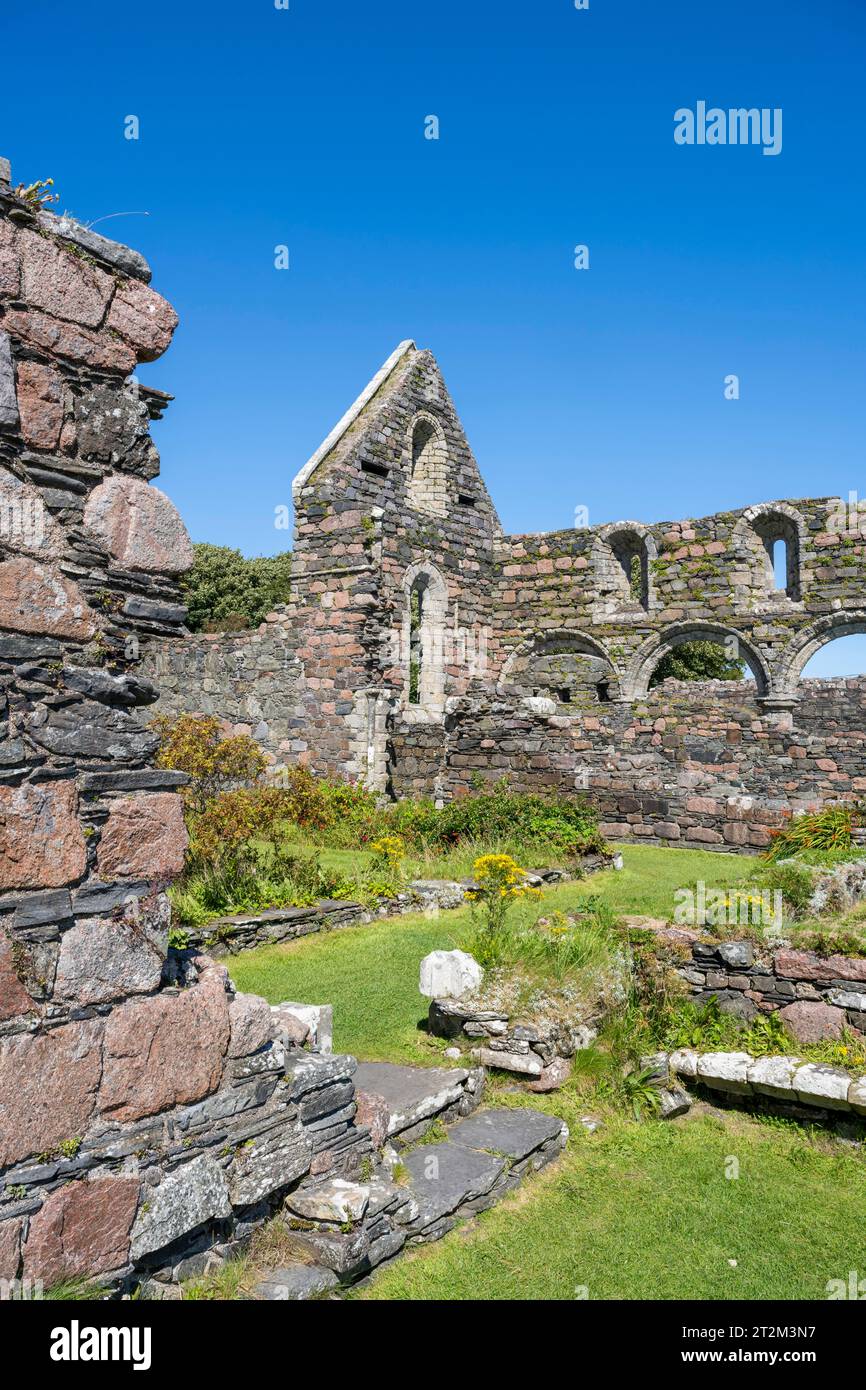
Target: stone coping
776, 1078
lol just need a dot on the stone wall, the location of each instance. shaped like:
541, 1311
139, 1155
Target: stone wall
147, 1111
696, 763
251, 681
816, 996
423, 647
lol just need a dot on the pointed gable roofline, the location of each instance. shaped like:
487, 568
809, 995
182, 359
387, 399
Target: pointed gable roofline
350, 416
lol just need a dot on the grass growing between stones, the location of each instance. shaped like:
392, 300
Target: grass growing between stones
646, 1211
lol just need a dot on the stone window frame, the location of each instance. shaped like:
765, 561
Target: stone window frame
635, 682
428, 495
611, 575
754, 536
430, 706
550, 643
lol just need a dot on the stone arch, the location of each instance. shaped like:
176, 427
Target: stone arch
559, 641
428, 466
756, 534
424, 641
636, 681
805, 643
623, 555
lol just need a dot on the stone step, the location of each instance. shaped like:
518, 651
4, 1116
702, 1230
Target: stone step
411, 1098
485, 1156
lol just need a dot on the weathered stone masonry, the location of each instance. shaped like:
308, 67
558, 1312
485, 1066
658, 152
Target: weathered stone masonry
148, 1112
423, 647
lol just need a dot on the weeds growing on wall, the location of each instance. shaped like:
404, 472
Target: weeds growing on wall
707, 1029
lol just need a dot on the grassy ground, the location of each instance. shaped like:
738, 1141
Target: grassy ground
647, 1212
370, 974
635, 1211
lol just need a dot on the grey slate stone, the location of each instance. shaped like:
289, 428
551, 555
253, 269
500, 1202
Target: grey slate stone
457, 1176
8, 398
515, 1133
188, 1197
738, 954
411, 1094
296, 1283
114, 252
93, 730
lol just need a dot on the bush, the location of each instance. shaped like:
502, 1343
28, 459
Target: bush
823, 831
225, 592
195, 744
793, 881
565, 823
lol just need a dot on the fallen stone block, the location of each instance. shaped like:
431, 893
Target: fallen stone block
449, 975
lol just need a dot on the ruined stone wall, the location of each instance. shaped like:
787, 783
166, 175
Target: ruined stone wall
695, 763
251, 681
533, 655
147, 1112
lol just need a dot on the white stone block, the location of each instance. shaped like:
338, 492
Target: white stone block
818, 1084
449, 975
857, 1095
774, 1076
726, 1071
684, 1061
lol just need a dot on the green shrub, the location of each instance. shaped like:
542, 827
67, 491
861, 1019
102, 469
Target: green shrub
824, 831
793, 881
225, 592
569, 824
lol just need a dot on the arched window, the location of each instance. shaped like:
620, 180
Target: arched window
424, 639
772, 538
428, 461
623, 565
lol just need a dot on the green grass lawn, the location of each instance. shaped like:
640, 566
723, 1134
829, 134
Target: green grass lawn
370, 974
646, 1212
636, 1211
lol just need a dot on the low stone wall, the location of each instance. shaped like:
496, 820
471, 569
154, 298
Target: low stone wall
803, 1090
816, 996
540, 1053
246, 930
703, 764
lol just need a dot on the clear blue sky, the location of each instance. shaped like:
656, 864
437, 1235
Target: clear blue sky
602, 388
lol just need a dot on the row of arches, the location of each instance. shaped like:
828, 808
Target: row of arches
577, 668
574, 667
768, 539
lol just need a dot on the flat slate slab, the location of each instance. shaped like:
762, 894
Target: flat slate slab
445, 1176
515, 1133
296, 1283
411, 1094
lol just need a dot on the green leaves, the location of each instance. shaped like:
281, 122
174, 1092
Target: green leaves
226, 592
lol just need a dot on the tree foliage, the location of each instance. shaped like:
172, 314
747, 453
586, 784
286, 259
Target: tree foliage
698, 661
226, 592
